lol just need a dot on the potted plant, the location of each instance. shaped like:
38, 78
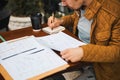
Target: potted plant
21, 11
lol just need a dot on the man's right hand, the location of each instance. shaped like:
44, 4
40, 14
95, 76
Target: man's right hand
54, 22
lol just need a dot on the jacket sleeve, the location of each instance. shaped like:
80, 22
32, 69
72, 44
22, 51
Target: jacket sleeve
101, 53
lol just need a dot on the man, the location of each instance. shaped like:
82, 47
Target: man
97, 23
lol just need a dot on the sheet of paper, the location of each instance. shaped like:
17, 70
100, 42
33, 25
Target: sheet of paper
26, 58
55, 30
59, 41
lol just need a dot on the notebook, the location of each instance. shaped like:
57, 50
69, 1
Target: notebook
26, 59
52, 31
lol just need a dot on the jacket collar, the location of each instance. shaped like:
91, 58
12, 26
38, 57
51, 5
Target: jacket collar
92, 9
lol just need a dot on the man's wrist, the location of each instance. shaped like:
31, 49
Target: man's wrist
61, 21
81, 51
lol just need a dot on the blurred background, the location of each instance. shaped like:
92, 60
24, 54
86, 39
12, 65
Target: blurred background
15, 14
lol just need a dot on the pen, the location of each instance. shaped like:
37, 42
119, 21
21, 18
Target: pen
2, 38
53, 15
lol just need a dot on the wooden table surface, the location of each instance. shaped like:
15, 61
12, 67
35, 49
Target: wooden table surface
26, 32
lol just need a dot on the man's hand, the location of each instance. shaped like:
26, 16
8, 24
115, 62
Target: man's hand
72, 54
54, 22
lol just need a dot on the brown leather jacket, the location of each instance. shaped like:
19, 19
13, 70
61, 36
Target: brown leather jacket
104, 47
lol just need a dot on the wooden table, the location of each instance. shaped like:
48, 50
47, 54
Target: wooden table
26, 32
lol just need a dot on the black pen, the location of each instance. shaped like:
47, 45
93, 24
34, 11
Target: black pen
37, 51
53, 15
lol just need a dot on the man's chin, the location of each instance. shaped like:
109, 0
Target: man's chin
83, 7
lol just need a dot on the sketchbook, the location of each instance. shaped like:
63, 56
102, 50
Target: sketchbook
26, 59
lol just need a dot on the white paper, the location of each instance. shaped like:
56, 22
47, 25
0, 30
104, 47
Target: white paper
28, 58
55, 30
59, 41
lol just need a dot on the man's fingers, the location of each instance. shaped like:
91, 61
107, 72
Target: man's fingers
50, 20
